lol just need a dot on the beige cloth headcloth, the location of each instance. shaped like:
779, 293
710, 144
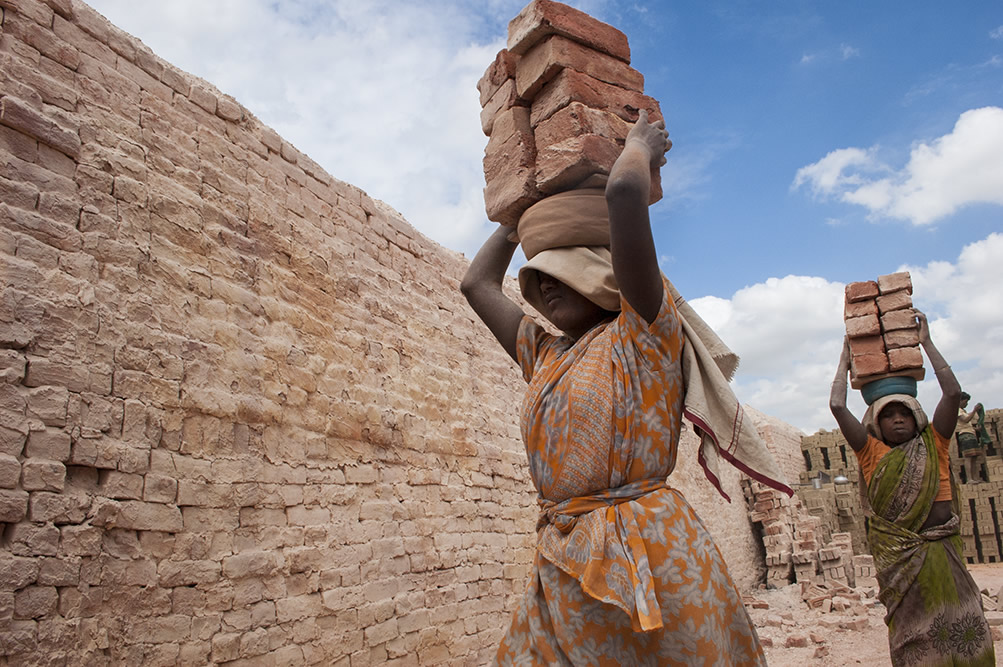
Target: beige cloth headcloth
870, 420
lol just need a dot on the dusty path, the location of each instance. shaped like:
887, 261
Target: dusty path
795, 635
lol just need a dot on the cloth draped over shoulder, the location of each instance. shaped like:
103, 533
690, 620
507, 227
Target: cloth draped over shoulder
934, 608
567, 236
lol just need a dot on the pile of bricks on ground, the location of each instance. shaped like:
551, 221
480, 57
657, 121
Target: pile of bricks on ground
772, 510
557, 104
881, 327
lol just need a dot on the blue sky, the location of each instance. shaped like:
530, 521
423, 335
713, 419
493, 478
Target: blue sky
816, 143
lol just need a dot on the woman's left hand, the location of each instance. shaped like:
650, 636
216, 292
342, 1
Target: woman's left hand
653, 136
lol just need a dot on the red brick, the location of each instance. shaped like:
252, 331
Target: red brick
894, 301
503, 99
860, 291
898, 319
901, 338
498, 72
546, 60
869, 364
572, 86
905, 357
868, 325
562, 166
542, 18
894, 282
577, 119
511, 128
860, 308
866, 345
509, 193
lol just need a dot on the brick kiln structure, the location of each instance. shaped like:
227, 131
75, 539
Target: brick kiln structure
245, 415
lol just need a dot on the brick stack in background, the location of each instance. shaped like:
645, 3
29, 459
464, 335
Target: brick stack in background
881, 327
864, 573
557, 104
772, 510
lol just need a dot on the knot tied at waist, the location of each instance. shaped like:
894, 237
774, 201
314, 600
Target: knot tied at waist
564, 515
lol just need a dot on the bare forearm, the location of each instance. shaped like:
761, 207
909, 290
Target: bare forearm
482, 286
491, 261
852, 429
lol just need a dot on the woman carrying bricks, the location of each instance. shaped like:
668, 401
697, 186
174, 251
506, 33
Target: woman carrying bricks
933, 607
624, 572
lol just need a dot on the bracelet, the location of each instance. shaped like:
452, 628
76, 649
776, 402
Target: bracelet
946, 367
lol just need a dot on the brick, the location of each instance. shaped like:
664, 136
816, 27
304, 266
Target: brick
861, 291
42, 475
901, 338
10, 471
138, 515
563, 166
904, 357
577, 119
503, 99
52, 444
869, 364
866, 345
501, 69
894, 301
868, 325
860, 308
572, 86
35, 601
898, 319
19, 115
893, 282
545, 61
542, 18
13, 506
58, 508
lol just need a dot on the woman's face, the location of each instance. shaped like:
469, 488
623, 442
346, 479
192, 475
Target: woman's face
570, 312
897, 424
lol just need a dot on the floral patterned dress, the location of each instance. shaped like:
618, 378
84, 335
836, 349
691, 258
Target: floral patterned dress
625, 573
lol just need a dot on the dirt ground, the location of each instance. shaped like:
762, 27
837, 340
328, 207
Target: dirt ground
795, 635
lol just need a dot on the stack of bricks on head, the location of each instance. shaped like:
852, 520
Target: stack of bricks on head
881, 327
557, 104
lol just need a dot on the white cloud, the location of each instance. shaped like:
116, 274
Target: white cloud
996, 33
788, 332
942, 176
381, 94
846, 51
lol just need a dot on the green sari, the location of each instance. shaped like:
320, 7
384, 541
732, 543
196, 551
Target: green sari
934, 608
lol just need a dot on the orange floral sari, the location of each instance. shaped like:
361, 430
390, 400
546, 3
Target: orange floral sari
625, 572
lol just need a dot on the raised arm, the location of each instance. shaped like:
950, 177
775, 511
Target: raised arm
945, 417
482, 286
635, 262
853, 430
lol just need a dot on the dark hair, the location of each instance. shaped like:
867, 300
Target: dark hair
965, 396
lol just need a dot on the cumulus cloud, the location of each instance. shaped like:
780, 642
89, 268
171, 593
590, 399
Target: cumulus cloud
788, 332
381, 94
942, 176
996, 33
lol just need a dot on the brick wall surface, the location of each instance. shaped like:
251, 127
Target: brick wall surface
245, 416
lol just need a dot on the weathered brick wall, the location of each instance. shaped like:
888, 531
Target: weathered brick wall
245, 415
